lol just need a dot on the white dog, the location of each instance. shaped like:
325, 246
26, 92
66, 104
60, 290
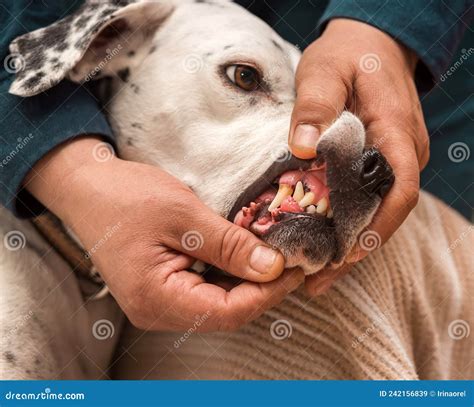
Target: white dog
205, 90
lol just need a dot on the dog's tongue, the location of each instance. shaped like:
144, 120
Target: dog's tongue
299, 192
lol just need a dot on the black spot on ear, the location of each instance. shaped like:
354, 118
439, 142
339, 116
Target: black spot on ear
129, 141
135, 88
81, 22
62, 46
253, 101
131, 54
152, 49
208, 54
228, 47
277, 45
9, 357
34, 80
124, 74
137, 126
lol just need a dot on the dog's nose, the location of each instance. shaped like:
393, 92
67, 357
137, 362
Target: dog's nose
377, 175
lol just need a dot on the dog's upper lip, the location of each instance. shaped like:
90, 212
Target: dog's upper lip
262, 183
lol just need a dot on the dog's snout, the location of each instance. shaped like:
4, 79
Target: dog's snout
376, 175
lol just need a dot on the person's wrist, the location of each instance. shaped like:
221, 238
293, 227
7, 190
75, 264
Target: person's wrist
67, 175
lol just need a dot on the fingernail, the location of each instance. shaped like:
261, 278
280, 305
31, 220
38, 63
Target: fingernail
303, 141
265, 260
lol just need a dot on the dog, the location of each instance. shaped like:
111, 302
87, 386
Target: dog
212, 110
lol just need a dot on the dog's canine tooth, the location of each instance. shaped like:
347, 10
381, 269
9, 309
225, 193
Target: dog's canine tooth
283, 191
311, 209
322, 206
299, 191
330, 213
308, 199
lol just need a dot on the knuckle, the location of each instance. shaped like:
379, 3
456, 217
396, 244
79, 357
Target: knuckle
232, 245
311, 108
410, 195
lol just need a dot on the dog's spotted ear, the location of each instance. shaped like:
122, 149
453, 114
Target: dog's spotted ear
102, 38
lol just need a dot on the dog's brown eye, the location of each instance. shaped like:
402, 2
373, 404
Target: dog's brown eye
245, 77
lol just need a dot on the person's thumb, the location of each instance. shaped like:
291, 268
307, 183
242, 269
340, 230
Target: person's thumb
216, 241
321, 94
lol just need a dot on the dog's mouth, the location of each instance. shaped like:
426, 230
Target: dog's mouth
293, 194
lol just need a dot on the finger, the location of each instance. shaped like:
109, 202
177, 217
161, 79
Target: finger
321, 94
229, 247
322, 281
225, 310
398, 203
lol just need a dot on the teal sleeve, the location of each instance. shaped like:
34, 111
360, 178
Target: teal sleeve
31, 127
433, 29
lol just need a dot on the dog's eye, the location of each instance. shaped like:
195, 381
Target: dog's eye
245, 77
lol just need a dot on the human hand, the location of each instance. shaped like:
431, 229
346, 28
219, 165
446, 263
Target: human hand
357, 67
154, 219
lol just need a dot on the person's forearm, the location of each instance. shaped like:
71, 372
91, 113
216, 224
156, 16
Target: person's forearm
58, 179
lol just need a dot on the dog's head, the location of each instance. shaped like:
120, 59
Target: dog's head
205, 90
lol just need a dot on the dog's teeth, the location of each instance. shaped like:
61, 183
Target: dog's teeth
311, 209
283, 191
299, 191
322, 206
330, 213
308, 199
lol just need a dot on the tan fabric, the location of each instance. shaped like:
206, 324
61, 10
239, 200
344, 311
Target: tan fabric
403, 313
